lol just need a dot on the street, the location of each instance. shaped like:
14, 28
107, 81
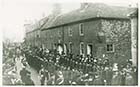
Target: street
34, 74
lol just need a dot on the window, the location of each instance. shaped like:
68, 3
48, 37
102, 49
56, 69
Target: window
70, 47
70, 31
110, 48
81, 48
81, 29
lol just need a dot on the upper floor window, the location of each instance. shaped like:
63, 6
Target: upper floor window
81, 29
70, 31
110, 48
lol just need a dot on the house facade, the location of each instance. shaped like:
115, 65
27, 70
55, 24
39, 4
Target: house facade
33, 38
33, 33
98, 30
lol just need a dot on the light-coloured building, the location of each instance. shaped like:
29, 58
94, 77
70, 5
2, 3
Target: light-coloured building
134, 36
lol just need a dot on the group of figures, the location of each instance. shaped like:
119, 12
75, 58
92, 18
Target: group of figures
61, 69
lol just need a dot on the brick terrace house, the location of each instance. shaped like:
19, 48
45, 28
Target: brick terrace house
33, 32
94, 29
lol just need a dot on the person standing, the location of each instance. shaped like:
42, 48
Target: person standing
129, 81
108, 75
59, 78
135, 75
116, 79
42, 75
97, 80
24, 75
29, 81
123, 75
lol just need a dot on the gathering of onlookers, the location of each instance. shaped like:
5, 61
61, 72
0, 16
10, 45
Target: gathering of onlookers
61, 69
77, 69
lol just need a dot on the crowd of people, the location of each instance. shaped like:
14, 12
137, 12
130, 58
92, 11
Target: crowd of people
69, 69
12, 54
62, 69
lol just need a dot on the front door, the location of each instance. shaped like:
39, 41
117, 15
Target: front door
60, 49
65, 48
89, 49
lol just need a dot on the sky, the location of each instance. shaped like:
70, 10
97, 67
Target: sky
16, 13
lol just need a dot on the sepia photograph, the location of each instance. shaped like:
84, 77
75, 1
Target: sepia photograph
73, 43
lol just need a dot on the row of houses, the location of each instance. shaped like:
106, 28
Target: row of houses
94, 29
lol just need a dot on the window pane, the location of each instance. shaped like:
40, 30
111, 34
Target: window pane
81, 29
109, 47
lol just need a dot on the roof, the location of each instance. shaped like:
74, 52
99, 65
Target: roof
37, 25
97, 10
133, 14
50, 21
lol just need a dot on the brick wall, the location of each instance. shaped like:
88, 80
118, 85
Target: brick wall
118, 32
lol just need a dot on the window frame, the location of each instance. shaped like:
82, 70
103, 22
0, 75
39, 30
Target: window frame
113, 48
81, 26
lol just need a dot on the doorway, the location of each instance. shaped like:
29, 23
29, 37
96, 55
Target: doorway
60, 49
89, 49
65, 48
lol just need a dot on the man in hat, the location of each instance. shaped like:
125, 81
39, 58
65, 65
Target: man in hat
129, 81
97, 80
51, 80
29, 81
116, 78
59, 79
24, 74
108, 75
42, 75
123, 75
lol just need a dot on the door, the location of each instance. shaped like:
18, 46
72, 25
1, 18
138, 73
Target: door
60, 49
65, 48
89, 49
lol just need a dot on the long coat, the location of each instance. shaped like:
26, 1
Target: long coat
129, 81
116, 80
108, 76
98, 81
